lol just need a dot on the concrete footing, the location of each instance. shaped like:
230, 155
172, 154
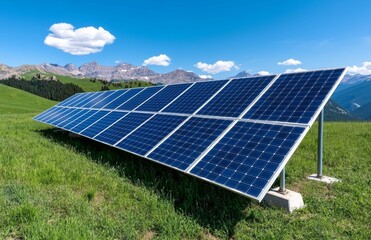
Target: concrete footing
325, 179
288, 200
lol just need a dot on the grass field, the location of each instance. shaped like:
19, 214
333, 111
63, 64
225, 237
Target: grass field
56, 187
85, 83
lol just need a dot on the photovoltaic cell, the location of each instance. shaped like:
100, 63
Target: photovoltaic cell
125, 96
97, 99
56, 115
236, 97
81, 102
83, 114
151, 133
194, 97
94, 116
112, 96
46, 113
246, 158
102, 124
140, 98
121, 128
70, 112
160, 100
188, 142
69, 100
295, 97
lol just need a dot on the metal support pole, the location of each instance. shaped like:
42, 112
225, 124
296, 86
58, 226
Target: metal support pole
282, 181
320, 143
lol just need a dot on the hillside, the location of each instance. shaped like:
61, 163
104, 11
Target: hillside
355, 96
363, 112
13, 100
56, 187
334, 112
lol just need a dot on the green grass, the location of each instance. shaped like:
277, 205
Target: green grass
53, 186
86, 84
13, 100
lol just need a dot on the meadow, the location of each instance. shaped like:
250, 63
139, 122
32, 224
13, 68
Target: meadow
53, 186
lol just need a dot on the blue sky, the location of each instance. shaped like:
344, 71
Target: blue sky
241, 35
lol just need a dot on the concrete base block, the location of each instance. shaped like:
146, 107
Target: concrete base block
325, 179
289, 200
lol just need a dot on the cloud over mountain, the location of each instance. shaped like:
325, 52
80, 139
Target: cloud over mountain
295, 70
79, 41
290, 62
160, 60
365, 69
217, 67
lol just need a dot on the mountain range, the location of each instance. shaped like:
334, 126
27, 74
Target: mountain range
95, 70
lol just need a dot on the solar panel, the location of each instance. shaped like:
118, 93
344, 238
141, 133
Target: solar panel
122, 127
236, 96
199, 93
151, 133
140, 98
294, 97
163, 98
236, 133
188, 142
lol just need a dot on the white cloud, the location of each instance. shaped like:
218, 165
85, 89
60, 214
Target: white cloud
205, 76
365, 69
118, 61
217, 67
160, 60
263, 73
295, 70
290, 62
79, 41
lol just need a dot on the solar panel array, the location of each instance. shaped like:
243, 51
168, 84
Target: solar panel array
236, 133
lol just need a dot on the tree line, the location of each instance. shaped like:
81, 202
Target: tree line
53, 90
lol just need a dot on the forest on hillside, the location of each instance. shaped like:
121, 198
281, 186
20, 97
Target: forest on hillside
53, 90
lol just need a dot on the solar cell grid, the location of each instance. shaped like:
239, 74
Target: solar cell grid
83, 114
188, 142
122, 97
151, 133
141, 97
94, 116
193, 98
81, 102
164, 97
294, 97
236, 96
246, 158
102, 124
121, 128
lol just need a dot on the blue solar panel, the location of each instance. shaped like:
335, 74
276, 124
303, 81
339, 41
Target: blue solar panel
140, 98
45, 114
121, 128
71, 99
82, 101
236, 96
112, 96
70, 112
160, 100
94, 116
188, 142
193, 98
102, 124
98, 99
246, 158
295, 97
125, 96
151, 133
83, 114
55, 115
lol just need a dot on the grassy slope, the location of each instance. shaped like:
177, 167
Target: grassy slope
53, 186
13, 100
84, 83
